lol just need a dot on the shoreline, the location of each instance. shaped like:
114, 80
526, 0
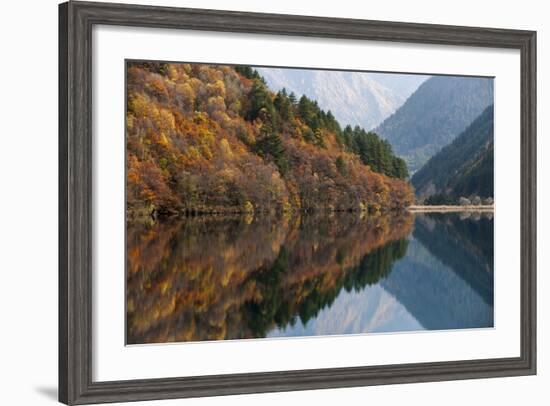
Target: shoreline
450, 208
139, 216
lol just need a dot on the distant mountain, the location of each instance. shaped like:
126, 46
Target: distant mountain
438, 111
355, 98
464, 167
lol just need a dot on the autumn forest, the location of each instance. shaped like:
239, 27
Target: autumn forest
216, 139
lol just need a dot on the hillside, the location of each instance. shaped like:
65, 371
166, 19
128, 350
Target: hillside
434, 115
355, 98
212, 139
464, 167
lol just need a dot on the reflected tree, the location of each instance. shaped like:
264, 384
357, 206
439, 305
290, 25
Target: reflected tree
214, 277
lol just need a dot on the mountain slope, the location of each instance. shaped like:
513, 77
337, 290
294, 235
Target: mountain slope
213, 139
439, 110
355, 98
464, 167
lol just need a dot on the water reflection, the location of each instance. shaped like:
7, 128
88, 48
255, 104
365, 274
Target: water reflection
209, 278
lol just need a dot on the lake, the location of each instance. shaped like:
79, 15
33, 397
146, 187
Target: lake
234, 277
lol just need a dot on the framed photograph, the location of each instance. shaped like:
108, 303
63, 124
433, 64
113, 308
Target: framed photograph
257, 202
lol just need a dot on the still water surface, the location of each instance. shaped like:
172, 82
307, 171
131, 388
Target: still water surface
212, 278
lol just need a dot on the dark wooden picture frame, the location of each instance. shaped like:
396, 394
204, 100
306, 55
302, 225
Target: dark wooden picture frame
76, 20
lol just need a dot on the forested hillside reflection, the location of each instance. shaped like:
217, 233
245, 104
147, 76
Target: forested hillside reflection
220, 277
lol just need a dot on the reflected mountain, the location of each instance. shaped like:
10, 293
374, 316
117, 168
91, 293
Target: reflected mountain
464, 242
435, 294
214, 277
450, 263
